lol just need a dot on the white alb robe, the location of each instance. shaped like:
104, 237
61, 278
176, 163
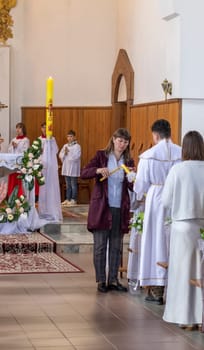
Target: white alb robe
71, 162
22, 145
153, 169
184, 194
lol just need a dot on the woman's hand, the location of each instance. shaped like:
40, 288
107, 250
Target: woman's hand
103, 171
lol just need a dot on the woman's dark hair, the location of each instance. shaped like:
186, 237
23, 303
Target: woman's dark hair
162, 127
123, 134
22, 126
43, 124
193, 146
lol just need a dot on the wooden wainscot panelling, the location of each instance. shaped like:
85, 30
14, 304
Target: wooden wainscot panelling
93, 127
142, 117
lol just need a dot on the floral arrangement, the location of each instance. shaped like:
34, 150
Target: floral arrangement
202, 233
131, 176
137, 221
13, 208
31, 165
167, 221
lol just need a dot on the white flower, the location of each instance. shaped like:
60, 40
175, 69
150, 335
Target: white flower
29, 165
22, 198
10, 217
21, 210
18, 202
36, 142
30, 171
39, 174
28, 178
131, 176
24, 170
1, 217
35, 147
168, 221
30, 155
36, 166
42, 179
8, 210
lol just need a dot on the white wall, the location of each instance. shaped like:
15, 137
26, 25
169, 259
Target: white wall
193, 115
4, 94
192, 49
77, 43
163, 39
191, 64
152, 45
74, 41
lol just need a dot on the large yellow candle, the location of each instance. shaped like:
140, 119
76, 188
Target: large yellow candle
127, 171
49, 105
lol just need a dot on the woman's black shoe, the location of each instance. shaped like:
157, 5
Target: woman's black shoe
117, 286
102, 287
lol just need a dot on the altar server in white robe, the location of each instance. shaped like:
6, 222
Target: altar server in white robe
153, 168
184, 194
18, 144
70, 156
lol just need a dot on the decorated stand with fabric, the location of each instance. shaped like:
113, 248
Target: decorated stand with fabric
18, 213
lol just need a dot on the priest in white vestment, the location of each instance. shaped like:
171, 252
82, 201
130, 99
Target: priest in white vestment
184, 194
153, 168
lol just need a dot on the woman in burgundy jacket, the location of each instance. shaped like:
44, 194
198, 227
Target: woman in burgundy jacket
109, 209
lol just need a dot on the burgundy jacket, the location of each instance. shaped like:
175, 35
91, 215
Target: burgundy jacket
99, 216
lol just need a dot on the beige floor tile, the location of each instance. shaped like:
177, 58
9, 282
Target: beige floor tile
65, 312
67, 347
43, 334
89, 341
57, 342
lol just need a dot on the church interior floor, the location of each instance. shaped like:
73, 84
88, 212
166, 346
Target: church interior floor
65, 311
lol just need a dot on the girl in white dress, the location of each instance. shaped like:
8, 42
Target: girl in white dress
184, 193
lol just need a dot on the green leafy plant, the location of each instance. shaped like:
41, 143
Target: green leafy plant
14, 207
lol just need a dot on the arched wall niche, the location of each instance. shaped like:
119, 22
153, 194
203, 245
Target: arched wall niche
121, 109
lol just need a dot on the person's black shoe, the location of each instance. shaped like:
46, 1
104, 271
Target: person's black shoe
102, 287
117, 286
154, 300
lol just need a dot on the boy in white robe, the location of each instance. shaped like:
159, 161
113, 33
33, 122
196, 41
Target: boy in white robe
153, 168
70, 156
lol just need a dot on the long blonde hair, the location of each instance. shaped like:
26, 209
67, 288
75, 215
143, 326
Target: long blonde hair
123, 134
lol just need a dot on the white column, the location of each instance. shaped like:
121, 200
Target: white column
5, 94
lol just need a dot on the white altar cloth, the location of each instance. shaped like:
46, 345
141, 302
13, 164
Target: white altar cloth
10, 163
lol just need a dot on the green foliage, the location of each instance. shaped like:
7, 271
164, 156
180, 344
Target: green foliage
31, 166
137, 221
14, 207
202, 233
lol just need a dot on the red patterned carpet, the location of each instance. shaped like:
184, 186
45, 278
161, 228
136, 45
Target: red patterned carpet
31, 253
